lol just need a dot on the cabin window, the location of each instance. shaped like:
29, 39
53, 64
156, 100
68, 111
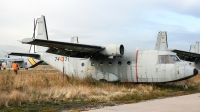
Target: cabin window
110, 63
25, 63
128, 62
119, 63
82, 64
165, 59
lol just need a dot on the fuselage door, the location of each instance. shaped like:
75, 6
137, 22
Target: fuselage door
82, 65
130, 76
179, 67
165, 63
180, 70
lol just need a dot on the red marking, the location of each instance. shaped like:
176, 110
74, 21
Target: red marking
136, 66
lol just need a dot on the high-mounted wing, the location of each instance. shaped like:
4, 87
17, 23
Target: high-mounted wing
65, 48
34, 55
187, 56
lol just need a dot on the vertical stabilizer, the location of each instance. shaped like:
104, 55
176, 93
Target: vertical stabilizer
192, 48
161, 43
74, 39
41, 32
197, 47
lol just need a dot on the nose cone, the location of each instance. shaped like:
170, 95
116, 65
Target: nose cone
195, 71
189, 71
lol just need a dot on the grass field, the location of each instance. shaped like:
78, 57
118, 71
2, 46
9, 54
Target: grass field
45, 89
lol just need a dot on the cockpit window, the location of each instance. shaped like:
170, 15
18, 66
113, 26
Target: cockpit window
175, 58
165, 59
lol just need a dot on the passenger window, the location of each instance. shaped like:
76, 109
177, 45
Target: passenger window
119, 63
82, 64
92, 64
128, 62
165, 59
101, 63
110, 63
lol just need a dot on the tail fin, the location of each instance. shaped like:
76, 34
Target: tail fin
74, 39
197, 47
192, 48
161, 43
41, 32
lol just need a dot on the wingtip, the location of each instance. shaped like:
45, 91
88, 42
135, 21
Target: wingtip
19, 41
6, 52
26, 40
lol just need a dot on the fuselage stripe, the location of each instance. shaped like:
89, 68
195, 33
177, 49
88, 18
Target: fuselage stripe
31, 60
136, 66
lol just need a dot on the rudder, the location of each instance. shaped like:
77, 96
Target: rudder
41, 32
161, 43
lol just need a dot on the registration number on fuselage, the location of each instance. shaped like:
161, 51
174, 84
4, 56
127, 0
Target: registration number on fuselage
62, 58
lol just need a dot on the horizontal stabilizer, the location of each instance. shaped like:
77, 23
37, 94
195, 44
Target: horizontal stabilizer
25, 54
12, 59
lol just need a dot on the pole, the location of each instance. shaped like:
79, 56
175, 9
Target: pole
63, 69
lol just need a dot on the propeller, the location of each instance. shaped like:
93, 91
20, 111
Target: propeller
35, 23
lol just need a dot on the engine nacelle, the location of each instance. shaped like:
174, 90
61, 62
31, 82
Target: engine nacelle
113, 50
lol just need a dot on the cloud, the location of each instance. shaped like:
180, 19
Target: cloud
128, 22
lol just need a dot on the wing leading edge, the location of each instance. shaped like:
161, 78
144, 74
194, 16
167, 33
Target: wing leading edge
11, 59
65, 48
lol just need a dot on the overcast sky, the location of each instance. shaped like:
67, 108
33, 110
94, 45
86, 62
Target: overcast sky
128, 22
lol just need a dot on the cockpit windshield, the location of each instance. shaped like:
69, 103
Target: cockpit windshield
175, 58
167, 59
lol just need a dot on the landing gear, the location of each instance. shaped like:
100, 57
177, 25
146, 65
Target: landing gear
103, 80
185, 86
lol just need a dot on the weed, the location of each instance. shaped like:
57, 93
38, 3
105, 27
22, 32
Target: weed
38, 90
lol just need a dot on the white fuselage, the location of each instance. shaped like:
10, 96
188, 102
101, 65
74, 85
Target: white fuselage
139, 66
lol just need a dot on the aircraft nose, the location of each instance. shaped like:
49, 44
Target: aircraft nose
195, 71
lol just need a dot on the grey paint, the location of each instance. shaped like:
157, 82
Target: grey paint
114, 65
148, 68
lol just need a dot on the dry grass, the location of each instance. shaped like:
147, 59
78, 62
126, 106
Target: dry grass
49, 85
194, 81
